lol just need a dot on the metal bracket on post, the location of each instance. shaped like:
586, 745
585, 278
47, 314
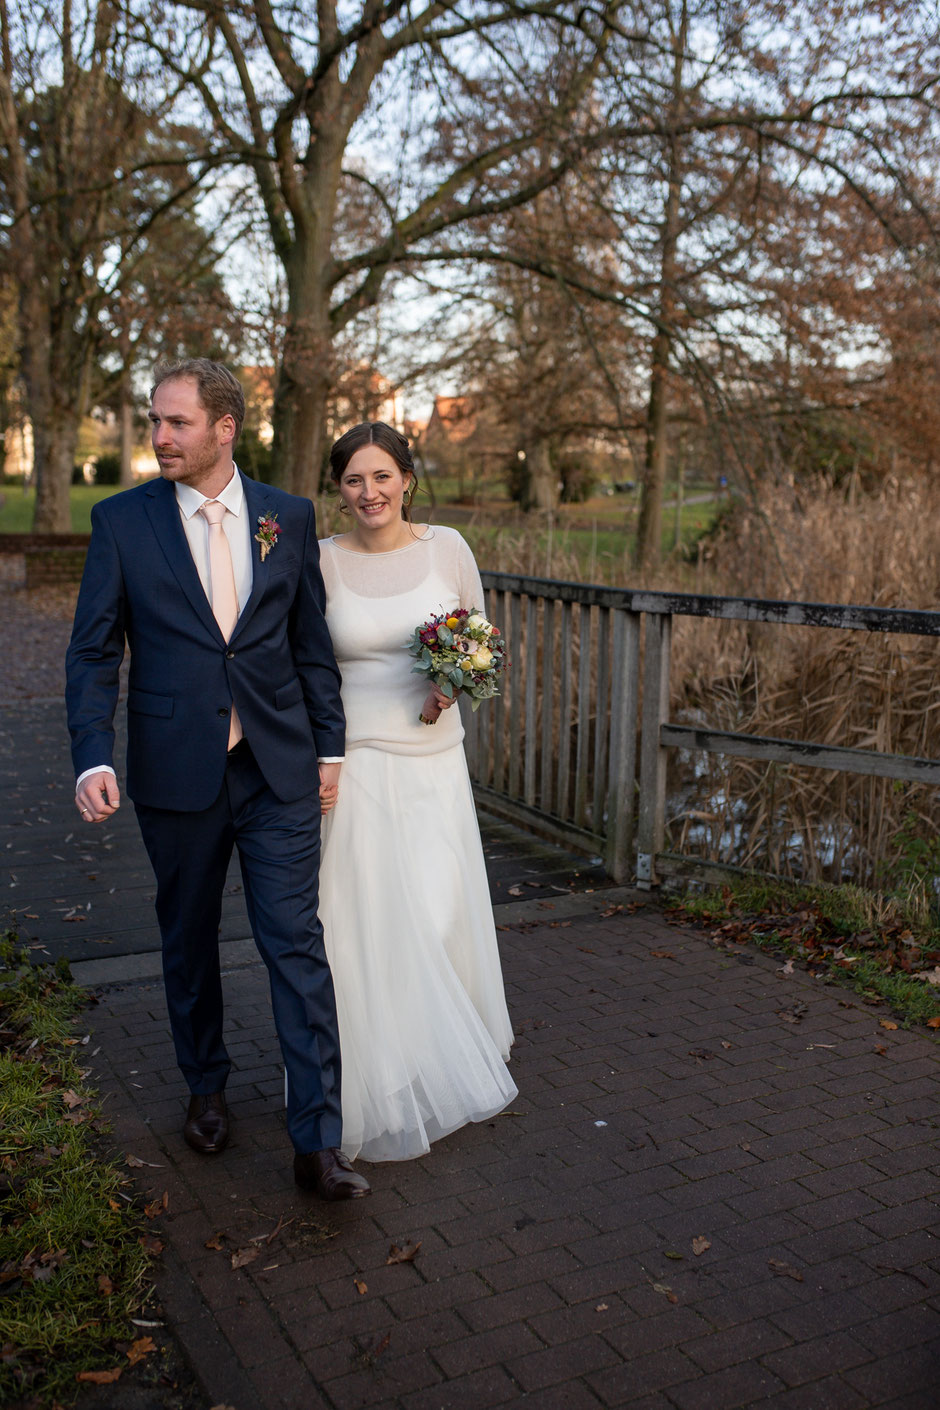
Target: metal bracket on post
644, 871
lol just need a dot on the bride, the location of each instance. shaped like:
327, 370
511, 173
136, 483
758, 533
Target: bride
404, 898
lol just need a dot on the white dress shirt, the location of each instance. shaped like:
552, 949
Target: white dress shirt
196, 528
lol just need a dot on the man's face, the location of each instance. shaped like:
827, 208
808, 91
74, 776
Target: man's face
189, 448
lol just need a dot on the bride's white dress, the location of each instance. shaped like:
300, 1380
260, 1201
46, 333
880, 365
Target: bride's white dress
404, 898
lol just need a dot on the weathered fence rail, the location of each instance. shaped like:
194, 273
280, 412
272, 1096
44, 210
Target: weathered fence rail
577, 745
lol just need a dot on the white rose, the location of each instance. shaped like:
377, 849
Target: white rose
478, 623
482, 658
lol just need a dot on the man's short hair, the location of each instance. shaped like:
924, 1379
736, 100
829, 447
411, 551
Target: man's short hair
219, 392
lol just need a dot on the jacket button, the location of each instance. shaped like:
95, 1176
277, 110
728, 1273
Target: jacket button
223, 713
230, 655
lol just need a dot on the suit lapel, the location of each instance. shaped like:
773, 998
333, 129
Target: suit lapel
256, 505
163, 509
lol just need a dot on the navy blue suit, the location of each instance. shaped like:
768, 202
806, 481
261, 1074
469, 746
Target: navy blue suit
194, 801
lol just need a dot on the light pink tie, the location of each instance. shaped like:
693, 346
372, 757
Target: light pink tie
222, 585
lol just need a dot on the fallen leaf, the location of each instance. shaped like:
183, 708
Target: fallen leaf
405, 1254
784, 1270
141, 1349
72, 1099
361, 1287
934, 1022
150, 1244
601, 1307
662, 955
881, 1050
216, 1241
726, 1045
135, 1163
100, 1378
700, 1245
611, 911
666, 1291
158, 1206
672, 1253
516, 891
701, 1054
787, 968
886, 1023
105, 1285
242, 1256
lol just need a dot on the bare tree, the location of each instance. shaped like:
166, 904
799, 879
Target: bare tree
463, 111
87, 172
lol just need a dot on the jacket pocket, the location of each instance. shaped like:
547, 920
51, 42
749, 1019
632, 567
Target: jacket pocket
143, 703
290, 694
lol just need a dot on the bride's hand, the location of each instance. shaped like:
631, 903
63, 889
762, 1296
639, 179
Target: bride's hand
329, 786
442, 701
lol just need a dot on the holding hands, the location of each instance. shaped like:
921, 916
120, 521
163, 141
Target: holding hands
329, 786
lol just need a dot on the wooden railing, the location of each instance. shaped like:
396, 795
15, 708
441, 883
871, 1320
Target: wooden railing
576, 746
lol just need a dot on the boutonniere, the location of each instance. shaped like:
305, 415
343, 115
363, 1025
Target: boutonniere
268, 530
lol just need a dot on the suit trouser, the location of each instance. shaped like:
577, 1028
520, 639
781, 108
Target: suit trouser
279, 850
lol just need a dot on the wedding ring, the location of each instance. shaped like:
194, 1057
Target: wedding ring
85, 812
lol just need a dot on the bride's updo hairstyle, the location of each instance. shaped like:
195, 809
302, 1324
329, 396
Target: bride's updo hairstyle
376, 433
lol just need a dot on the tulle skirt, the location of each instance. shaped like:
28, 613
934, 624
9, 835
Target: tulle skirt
409, 931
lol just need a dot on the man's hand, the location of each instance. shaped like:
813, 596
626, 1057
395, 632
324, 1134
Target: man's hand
98, 797
329, 786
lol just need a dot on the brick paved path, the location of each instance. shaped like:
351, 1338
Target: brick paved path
666, 1103
663, 1098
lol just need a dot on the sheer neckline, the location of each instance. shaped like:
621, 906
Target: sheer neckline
386, 552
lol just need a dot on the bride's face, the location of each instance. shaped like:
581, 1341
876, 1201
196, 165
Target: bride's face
372, 487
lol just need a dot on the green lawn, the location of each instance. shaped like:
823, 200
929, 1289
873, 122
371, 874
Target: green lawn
16, 510
591, 542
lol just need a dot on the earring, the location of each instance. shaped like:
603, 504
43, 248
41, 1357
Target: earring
343, 507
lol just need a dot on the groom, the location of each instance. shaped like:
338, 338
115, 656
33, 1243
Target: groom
234, 727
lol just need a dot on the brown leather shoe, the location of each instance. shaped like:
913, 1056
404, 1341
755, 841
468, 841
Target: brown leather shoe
329, 1174
206, 1128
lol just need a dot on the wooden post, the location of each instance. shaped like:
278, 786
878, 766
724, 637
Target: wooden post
583, 715
652, 812
624, 694
515, 693
563, 675
531, 699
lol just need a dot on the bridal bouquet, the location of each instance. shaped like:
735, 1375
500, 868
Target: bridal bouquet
458, 650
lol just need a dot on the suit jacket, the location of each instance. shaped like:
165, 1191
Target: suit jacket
140, 584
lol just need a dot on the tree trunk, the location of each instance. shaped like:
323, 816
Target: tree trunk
53, 514
648, 547
127, 435
542, 490
305, 379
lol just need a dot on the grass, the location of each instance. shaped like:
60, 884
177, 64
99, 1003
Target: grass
880, 946
593, 539
74, 1269
16, 510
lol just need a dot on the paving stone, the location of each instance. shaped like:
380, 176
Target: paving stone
814, 1360
543, 1267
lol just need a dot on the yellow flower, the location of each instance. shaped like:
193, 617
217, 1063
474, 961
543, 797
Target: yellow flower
482, 658
466, 663
452, 622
